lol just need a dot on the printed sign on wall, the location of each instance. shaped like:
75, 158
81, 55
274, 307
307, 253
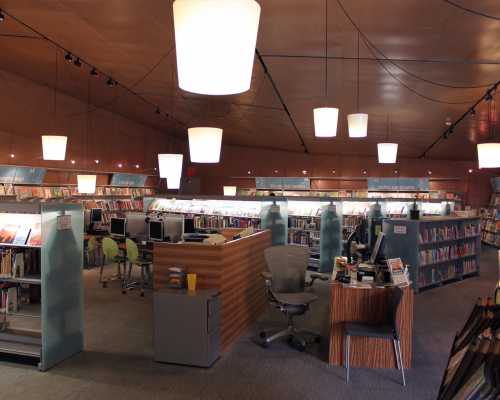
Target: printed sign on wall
413, 184
21, 175
134, 180
275, 183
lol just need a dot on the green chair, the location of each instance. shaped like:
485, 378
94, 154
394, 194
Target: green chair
112, 254
90, 248
144, 265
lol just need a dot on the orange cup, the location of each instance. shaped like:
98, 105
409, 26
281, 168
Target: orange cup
191, 280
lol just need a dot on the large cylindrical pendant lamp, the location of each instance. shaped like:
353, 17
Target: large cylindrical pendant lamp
488, 155
325, 121
357, 125
86, 183
54, 147
171, 168
205, 144
387, 153
215, 44
230, 190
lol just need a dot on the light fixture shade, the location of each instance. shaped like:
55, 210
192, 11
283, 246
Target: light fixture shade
488, 155
357, 125
229, 190
204, 144
54, 147
171, 168
387, 153
86, 183
325, 121
215, 44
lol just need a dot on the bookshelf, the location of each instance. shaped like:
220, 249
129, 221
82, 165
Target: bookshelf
437, 249
490, 222
41, 312
473, 358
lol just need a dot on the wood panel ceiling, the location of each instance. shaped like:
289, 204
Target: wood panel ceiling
133, 42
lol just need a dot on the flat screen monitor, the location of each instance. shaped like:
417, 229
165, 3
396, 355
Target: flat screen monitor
118, 227
189, 225
137, 227
377, 248
96, 215
173, 227
156, 231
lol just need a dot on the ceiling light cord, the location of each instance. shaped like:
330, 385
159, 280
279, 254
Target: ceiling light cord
357, 78
326, 50
413, 75
471, 11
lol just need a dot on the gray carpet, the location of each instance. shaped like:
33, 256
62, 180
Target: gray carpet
117, 361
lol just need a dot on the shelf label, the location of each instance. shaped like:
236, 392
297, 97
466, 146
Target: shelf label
400, 229
134, 180
63, 222
401, 184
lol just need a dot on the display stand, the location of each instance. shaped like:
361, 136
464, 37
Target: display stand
438, 250
48, 238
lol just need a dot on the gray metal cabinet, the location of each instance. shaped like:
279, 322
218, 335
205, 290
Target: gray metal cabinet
187, 327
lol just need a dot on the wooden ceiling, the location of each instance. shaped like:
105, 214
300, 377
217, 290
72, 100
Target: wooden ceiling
133, 42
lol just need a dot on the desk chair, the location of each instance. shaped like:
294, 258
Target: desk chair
388, 330
111, 254
89, 249
145, 266
286, 283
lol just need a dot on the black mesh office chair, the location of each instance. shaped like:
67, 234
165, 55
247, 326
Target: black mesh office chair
388, 330
286, 283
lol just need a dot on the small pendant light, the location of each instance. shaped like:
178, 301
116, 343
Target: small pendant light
170, 166
230, 190
87, 183
357, 123
54, 146
205, 144
326, 118
488, 153
387, 152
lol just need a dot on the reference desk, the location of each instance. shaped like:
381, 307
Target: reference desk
234, 268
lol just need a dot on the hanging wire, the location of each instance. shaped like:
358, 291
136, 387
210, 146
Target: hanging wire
357, 89
326, 49
470, 10
56, 86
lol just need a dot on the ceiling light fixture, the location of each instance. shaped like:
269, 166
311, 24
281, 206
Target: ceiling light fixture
12, 155
68, 57
171, 168
326, 118
230, 190
78, 63
2, 16
387, 153
470, 171
205, 144
86, 183
215, 44
54, 146
96, 161
488, 155
137, 166
73, 162
429, 172
357, 123
110, 82
120, 165
94, 72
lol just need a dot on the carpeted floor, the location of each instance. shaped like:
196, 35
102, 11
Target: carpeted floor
117, 361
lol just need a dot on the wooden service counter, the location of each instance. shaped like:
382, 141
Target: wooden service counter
234, 268
370, 305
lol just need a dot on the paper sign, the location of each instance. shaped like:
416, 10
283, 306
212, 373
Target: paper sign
400, 229
63, 222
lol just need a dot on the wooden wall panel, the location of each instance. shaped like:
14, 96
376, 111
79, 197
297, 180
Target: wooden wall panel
368, 305
234, 268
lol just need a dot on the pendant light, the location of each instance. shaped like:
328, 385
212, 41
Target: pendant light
387, 152
205, 144
87, 183
488, 153
54, 146
230, 190
357, 123
215, 44
171, 168
326, 118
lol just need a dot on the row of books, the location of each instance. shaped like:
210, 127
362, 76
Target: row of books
115, 205
218, 222
469, 266
304, 238
448, 232
473, 368
18, 263
490, 225
490, 238
439, 274
447, 253
304, 223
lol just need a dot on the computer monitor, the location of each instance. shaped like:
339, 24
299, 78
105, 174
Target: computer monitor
173, 227
137, 227
156, 231
378, 248
118, 227
189, 225
96, 215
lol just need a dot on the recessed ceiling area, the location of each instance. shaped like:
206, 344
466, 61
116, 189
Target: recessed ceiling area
426, 63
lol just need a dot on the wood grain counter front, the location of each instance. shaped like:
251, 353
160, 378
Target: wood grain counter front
233, 268
368, 305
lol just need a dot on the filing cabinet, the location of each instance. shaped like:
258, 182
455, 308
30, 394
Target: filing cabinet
187, 326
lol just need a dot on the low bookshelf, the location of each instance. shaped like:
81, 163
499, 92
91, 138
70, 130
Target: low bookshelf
490, 222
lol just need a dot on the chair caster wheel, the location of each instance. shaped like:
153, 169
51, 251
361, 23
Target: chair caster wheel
262, 335
296, 345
